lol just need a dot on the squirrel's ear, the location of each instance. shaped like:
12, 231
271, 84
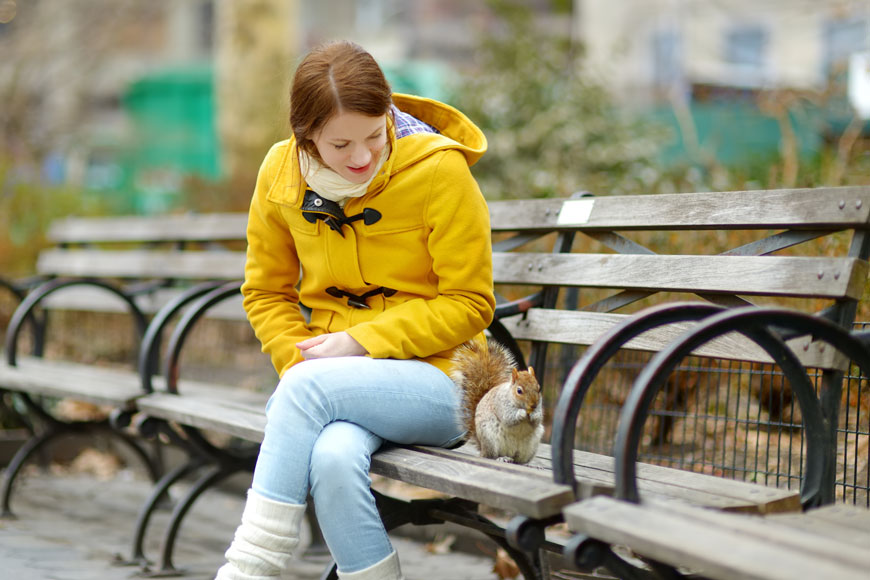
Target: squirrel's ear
514, 374
531, 372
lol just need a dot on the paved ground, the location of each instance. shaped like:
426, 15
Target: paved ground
71, 527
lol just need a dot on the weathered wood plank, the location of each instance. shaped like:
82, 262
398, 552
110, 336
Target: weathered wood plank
844, 523
716, 544
93, 384
164, 228
788, 208
142, 264
751, 275
242, 419
594, 474
770, 529
584, 328
686, 486
534, 496
851, 516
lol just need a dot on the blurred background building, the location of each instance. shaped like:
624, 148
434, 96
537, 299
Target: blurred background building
130, 98
734, 71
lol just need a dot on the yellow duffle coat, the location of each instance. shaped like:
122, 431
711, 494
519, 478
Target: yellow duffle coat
431, 245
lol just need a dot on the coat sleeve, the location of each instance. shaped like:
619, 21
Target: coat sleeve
272, 270
459, 244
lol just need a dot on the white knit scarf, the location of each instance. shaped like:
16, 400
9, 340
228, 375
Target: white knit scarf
329, 184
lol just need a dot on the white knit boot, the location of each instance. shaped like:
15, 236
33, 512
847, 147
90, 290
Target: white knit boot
386, 569
265, 541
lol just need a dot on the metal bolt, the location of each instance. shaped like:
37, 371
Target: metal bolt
806, 347
842, 203
821, 274
547, 212
540, 267
531, 267
318, 202
837, 276
858, 204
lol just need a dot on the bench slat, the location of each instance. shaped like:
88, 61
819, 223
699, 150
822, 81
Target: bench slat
245, 420
92, 384
164, 228
142, 264
765, 528
694, 488
844, 523
716, 544
856, 518
751, 275
584, 328
517, 492
786, 208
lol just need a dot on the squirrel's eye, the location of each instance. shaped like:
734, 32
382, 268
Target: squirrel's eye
519, 390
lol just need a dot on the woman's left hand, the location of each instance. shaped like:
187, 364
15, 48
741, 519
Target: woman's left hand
330, 345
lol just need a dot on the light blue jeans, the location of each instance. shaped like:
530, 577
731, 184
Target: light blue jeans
326, 418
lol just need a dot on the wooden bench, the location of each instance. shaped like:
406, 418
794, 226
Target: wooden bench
541, 318
127, 266
673, 538
616, 271
824, 542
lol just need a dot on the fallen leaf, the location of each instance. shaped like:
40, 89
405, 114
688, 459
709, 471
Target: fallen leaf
505, 567
441, 545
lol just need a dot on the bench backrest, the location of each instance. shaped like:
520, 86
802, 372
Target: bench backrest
808, 245
607, 252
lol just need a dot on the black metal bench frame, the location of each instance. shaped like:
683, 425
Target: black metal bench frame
770, 328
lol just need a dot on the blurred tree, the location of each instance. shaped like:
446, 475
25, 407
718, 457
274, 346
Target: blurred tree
53, 70
54, 67
256, 45
552, 129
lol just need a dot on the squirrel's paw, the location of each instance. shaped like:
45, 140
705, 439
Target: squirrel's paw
505, 459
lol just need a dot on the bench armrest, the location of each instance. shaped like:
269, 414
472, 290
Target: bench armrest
149, 351
25, 311
586, 369
756, 324
202, 304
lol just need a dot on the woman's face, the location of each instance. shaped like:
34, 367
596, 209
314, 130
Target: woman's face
351, 144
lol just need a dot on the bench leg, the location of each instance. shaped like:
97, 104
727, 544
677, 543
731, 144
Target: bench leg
53, 428
167, 569
158, 494
25, 452
395, 513
211, 477
587, 554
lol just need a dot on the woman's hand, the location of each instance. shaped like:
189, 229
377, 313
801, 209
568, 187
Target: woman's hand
330, 345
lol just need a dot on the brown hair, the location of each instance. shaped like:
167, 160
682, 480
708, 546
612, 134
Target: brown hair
333, 78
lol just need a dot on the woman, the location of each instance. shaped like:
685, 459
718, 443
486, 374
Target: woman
370, 217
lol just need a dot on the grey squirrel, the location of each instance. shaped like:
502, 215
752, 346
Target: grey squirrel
501, 408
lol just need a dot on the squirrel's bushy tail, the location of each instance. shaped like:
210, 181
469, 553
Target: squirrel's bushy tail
476, 369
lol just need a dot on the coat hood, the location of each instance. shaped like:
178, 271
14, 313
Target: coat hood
456, 130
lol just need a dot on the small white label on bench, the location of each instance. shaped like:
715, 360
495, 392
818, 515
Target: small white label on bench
575, 211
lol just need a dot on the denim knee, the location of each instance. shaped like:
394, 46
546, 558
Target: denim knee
295, 382
340, 459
